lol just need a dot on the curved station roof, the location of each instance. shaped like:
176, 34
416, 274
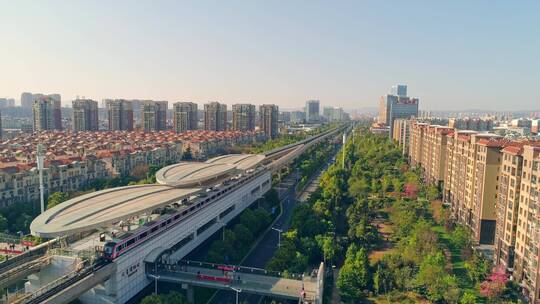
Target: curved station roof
188, 174
240, 161
109, 206
105, 207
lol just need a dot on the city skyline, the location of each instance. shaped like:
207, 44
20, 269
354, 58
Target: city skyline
268, 53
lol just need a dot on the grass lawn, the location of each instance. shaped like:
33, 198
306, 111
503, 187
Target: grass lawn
398, 297
458, 268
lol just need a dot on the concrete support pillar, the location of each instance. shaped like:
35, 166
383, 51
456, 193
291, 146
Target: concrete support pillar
190, 294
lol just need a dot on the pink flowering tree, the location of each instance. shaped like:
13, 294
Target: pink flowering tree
410, 190
495, 283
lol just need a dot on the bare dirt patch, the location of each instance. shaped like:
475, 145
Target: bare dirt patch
385, 229
437, 209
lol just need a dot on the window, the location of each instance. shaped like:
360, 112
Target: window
226, 211
255, 190
206, 226
182, 242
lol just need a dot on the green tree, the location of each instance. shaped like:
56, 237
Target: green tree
422, 241
385, 184
438, 284
3, 223
243, 235
468, 297
358, 187
399, 273
432, 193
271, 197
328, 246
56, 198
172, 297
461, 237
397, 184
382, 279
263, 219
477, 267
354, 277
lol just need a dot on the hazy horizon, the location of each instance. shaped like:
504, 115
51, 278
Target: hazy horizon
452, 56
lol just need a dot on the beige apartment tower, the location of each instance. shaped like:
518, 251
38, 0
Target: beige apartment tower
509, 193
47, 114
402, 132
215, 116
485, 193
185, 116
434, 154
527, 257
85, 115
492, 186
416, 143
154, 115
243, 118
120, 112
269, 120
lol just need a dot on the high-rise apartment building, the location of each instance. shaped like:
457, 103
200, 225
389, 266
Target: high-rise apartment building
333, 114
465, 165
47, 114
120, 114
57, 113
458, 170
402, 131
215, 116
392, 107
154, 115
396, 105
85, 115
185, 116
416, 143
527, 249
427, 148
399, 90
27, 100
471, 181
535, 126
475, 124
298, 117
284, 117
492, 185
434, 154
243, 117
507, 206
312, 111
488, 162
269, 120
7, 103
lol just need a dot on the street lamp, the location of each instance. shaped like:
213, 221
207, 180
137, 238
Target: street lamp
237, 292
279, 231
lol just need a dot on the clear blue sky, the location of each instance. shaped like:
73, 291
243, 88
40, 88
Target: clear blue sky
452, 54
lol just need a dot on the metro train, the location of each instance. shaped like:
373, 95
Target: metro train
112, 250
